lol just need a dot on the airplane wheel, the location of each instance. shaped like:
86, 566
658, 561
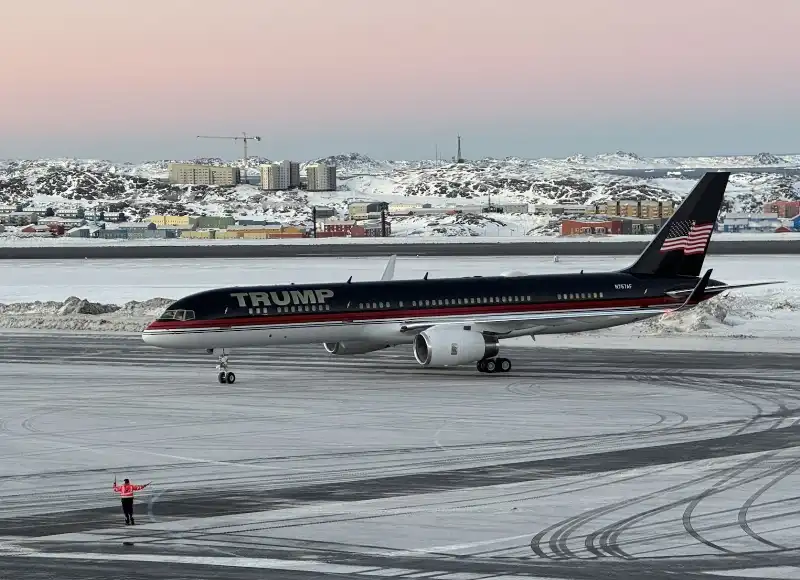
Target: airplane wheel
230, 378
491, 366
481, 366
505, 365
222, 378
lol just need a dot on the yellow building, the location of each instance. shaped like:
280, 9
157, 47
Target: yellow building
204, 174
170, 220
646, 209
200, 234
260, 232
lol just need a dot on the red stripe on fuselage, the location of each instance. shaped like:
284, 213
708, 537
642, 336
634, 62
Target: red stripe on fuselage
411, 313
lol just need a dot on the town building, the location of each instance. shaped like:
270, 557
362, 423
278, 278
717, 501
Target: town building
281, 175
170, 220
40, 230
324, 212
783, 209
68, 223
505, 208
75, 212
561, 209
370, 229
589, 227
646, 209
205, 222
196, 174
338, 226
19, 218
641, 226
261, 232
321, 177
751, 223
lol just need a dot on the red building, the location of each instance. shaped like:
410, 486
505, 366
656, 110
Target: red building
784, 209
338, 226
587, 228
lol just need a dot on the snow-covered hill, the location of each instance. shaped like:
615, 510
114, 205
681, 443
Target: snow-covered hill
141, 189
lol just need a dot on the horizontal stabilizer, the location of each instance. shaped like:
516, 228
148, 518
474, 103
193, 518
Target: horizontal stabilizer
678, 293
697, 292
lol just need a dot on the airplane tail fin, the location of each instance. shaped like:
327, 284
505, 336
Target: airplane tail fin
680, 246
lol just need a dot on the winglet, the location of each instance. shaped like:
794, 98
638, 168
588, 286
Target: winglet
698, 291
388, 272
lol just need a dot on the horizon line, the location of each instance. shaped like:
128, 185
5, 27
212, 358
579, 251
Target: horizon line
445, 160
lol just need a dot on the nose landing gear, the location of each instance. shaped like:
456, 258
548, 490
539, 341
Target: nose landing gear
224, 375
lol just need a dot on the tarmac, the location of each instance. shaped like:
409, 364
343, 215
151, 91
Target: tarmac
581, 463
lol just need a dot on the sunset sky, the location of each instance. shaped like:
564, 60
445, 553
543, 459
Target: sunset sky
140, 79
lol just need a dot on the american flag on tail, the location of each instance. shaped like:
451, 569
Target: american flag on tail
690, 237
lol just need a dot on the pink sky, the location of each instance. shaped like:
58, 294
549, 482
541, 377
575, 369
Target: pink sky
107, 67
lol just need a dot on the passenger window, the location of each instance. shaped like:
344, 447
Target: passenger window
361, 306
400, 304
380, 304
601, 294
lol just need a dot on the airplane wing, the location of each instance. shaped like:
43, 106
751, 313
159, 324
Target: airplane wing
388, 272
561, 321
539, 322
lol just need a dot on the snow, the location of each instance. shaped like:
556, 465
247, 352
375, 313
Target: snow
490, 235
304, 422
116, 296
777, 572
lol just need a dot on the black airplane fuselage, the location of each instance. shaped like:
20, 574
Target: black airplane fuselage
325, 307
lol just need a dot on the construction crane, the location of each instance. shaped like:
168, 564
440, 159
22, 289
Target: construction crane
245, 138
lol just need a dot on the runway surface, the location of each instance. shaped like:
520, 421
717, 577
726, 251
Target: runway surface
577, 464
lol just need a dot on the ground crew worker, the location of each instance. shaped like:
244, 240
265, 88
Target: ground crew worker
125, 492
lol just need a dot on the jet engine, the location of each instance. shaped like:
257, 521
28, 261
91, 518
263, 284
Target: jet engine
445, 347
350, 348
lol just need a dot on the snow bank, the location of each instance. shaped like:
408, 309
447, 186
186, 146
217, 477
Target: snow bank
80, 314
728, 315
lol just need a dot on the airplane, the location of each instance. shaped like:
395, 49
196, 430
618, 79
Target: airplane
455, 321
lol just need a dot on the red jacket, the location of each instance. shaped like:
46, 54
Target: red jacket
126, 490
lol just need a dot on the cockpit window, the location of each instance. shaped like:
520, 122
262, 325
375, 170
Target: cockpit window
177, 315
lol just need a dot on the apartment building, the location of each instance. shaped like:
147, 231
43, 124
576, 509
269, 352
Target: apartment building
645, 209
321, 177
194, 174
280, 175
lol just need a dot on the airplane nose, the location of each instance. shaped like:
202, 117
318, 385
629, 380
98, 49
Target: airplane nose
147, 334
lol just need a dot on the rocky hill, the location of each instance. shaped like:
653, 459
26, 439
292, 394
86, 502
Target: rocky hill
141, 189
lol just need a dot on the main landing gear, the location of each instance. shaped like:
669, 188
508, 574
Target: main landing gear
224, 376
494, 365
